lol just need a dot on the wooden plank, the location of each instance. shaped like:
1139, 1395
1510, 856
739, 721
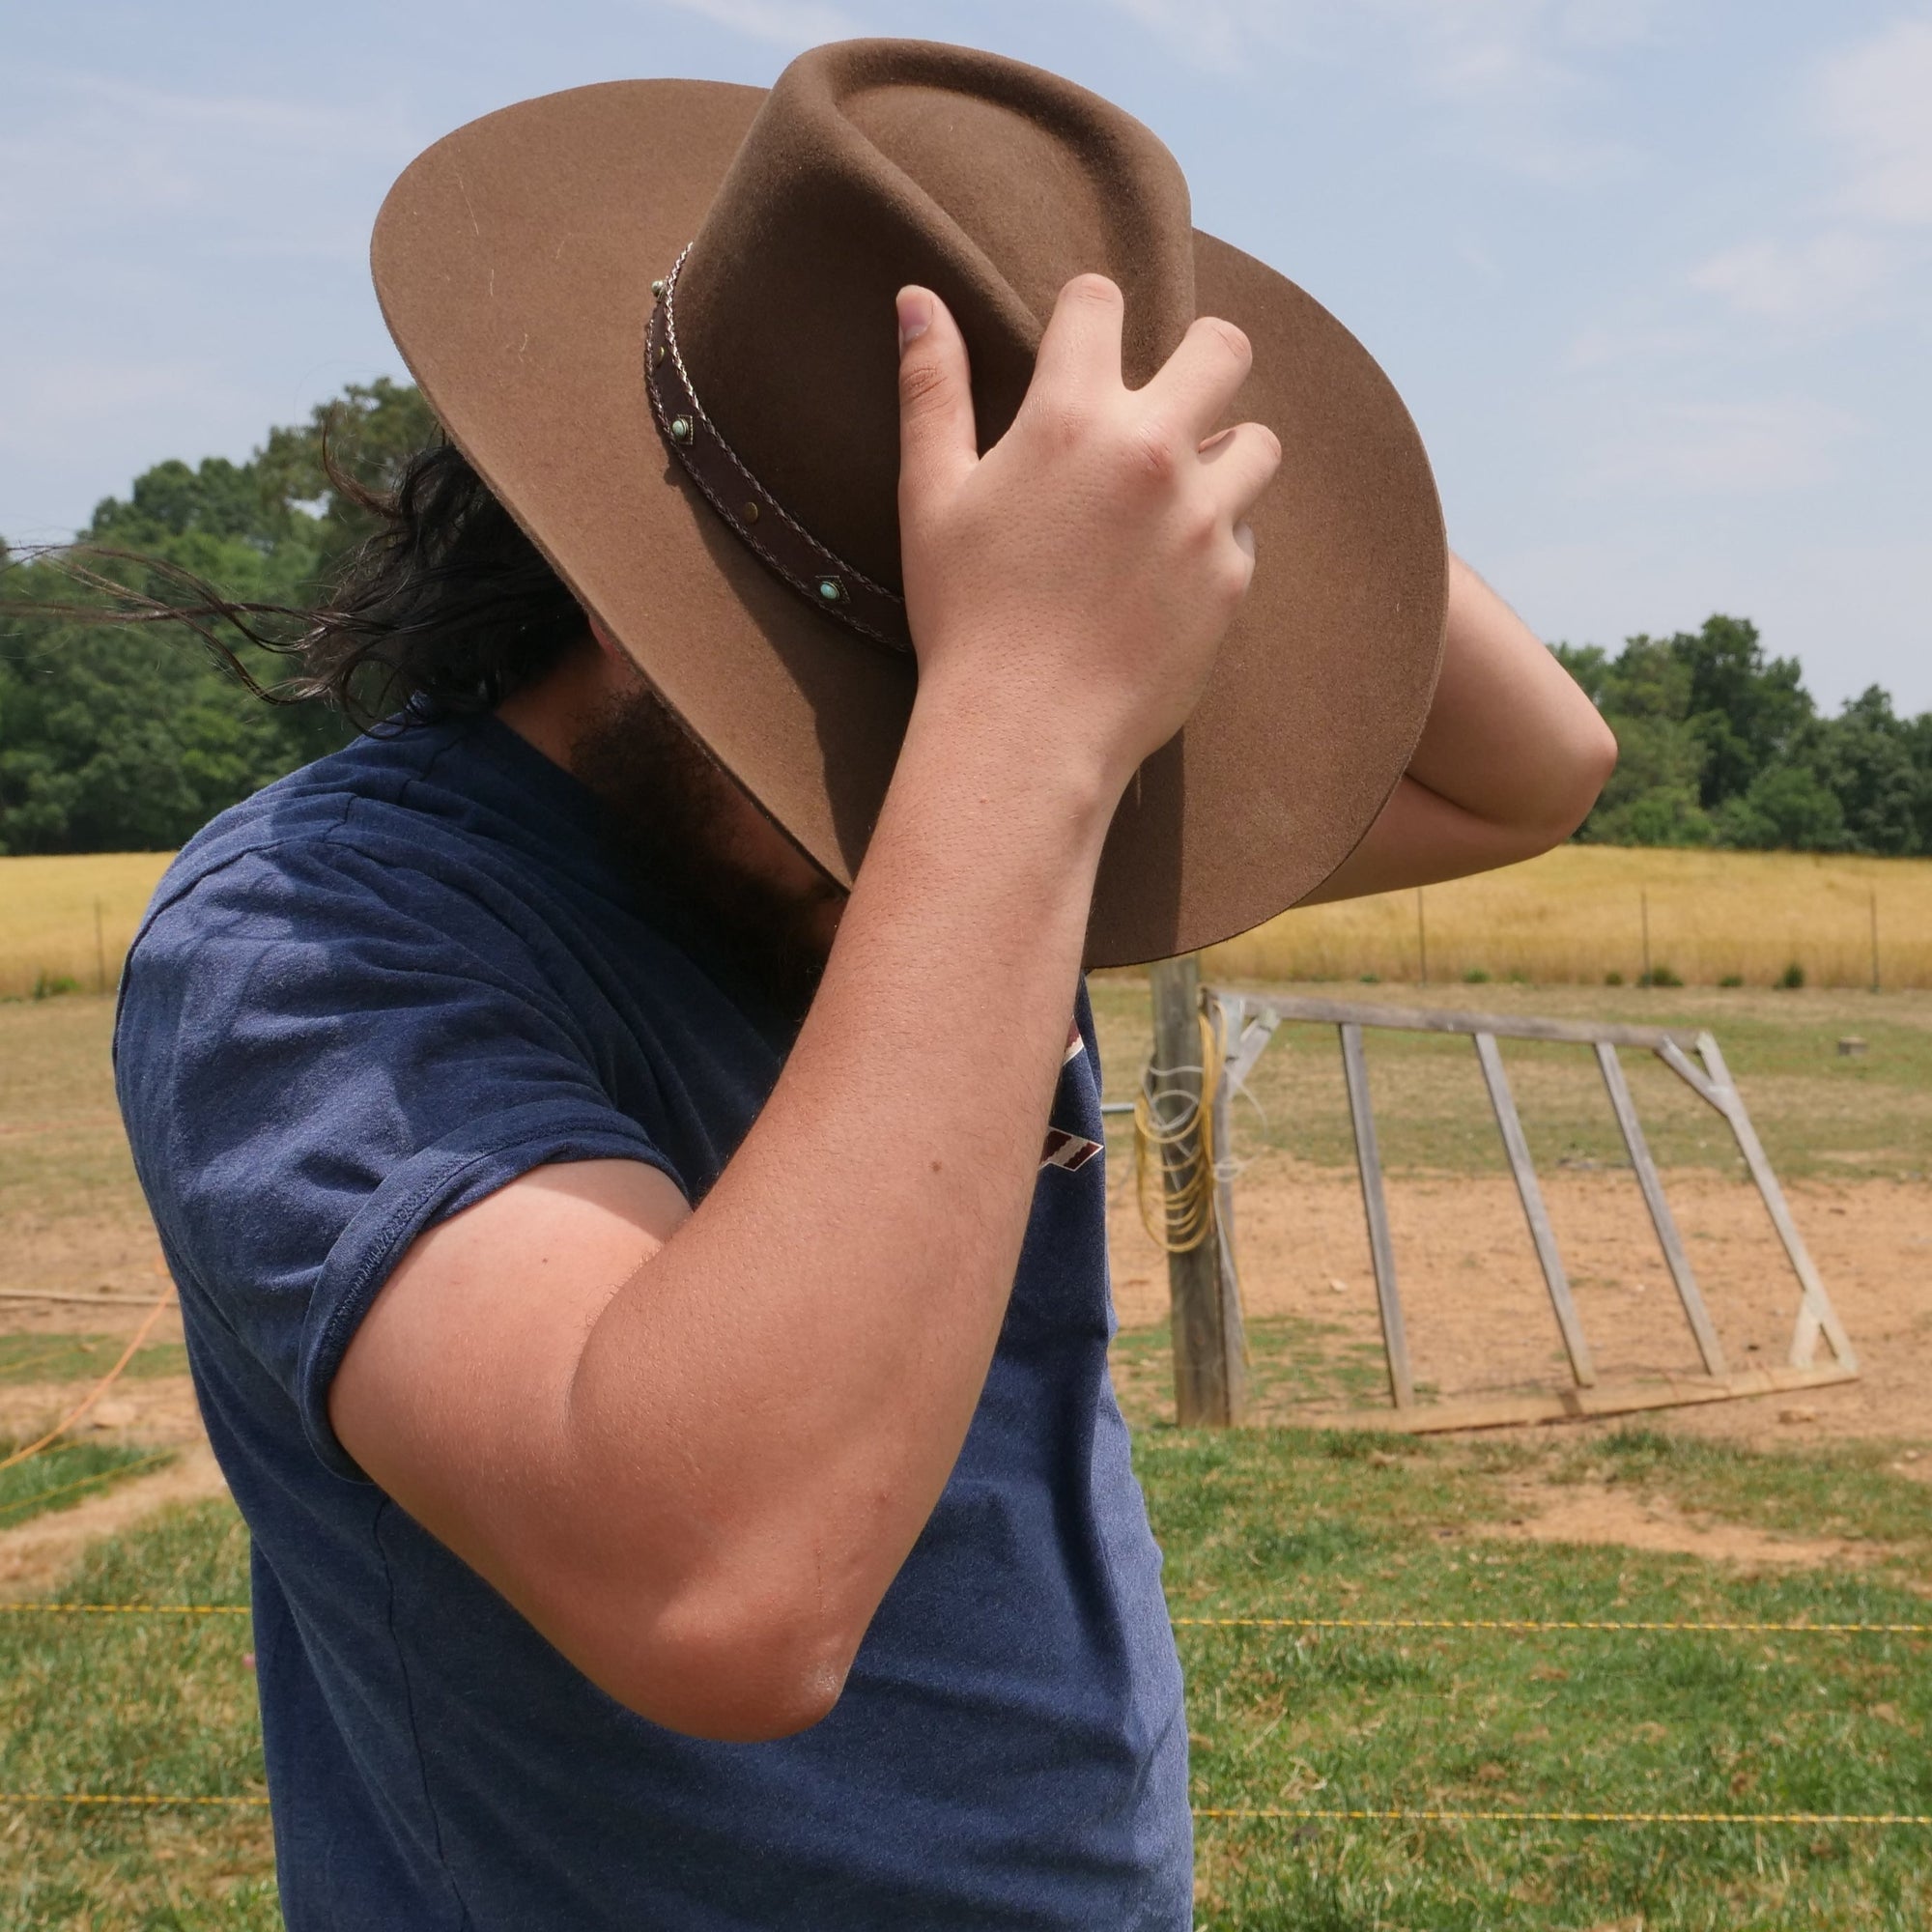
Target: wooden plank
1435, 1019
1382, 1249
1201, 1392
1530, 1193
1676, 1257
1578, 1405
1815, 1313
1693, 1077
1233, 1337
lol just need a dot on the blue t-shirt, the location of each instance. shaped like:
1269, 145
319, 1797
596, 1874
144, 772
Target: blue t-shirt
360, 1002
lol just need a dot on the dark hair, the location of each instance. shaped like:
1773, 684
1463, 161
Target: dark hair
444, 605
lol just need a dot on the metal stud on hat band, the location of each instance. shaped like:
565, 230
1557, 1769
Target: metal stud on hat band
818, 572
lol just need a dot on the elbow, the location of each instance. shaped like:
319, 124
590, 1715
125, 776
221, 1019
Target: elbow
732, 1668
1591, 763
1571, 785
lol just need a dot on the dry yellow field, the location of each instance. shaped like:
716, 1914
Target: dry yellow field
1576, 915
1573, 917
72, 918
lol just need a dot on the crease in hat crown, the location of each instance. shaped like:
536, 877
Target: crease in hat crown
875, 163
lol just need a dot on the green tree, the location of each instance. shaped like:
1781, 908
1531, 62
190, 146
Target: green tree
1653, 797
1865, 757
1746, 710
117, 737
367, 434
1788, 808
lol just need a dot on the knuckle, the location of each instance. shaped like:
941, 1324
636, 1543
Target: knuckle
1203, 529
1069, 420
923, 385
1151, 454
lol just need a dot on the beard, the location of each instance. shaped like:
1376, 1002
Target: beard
674, 822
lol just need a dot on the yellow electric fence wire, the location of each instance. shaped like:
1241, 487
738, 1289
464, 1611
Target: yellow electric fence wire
100, 1388
1536, 1624
40, 1497
1174, 1160
1405, 1817
130, 1609
156, 1797
1179, 1623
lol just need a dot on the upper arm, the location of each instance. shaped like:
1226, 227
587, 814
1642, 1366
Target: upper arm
454, 1394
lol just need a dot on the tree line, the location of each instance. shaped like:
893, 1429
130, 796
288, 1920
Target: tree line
120, 738
1721, 745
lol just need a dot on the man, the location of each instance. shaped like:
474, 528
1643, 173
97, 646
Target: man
667, 1389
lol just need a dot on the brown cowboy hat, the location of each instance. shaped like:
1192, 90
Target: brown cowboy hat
657, 317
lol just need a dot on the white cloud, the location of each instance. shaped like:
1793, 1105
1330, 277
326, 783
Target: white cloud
790, 23
1510, 78
82, 149
1723, 449
1875, 101
1834, 273
1612, 345
1842, 257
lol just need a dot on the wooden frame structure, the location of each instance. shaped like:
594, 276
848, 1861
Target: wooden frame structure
1244, 1023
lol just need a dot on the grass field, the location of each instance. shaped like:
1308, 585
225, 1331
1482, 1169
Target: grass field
69, 920
1570, 918
1577, 914
43, 1356
63, 1475
1816, 1110
1275, 1523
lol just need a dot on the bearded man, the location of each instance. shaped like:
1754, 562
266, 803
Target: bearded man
595, 1121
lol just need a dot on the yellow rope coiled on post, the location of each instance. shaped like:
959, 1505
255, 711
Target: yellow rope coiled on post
1174, 1160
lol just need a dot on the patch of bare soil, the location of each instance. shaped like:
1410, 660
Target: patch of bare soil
159, 1411
149, 1413
39, 1553
1599, 1513
1478, 1316
110, 1248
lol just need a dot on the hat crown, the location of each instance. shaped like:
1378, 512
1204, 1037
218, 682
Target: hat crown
875, 163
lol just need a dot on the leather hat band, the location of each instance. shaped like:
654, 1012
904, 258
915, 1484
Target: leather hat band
759, 520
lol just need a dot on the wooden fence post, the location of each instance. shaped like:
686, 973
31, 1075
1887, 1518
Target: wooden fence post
1210, 1382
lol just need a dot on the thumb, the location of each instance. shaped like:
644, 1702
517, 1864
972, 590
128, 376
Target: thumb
937, 443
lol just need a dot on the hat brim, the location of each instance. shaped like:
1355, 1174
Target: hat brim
513, 262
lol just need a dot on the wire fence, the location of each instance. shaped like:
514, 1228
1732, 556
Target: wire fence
1250, 1815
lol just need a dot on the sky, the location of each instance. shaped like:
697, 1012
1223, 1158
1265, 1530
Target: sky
1654, 276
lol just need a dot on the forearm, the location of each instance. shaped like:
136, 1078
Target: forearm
811, 1343
1508, 764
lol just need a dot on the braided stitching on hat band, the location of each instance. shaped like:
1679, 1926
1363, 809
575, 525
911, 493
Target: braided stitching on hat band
816, 572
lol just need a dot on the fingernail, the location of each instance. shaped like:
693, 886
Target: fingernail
915, 306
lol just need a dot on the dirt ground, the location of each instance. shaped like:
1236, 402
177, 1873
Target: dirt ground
1479, 1318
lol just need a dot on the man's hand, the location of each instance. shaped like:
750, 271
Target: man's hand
1081, 574
694, 1449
